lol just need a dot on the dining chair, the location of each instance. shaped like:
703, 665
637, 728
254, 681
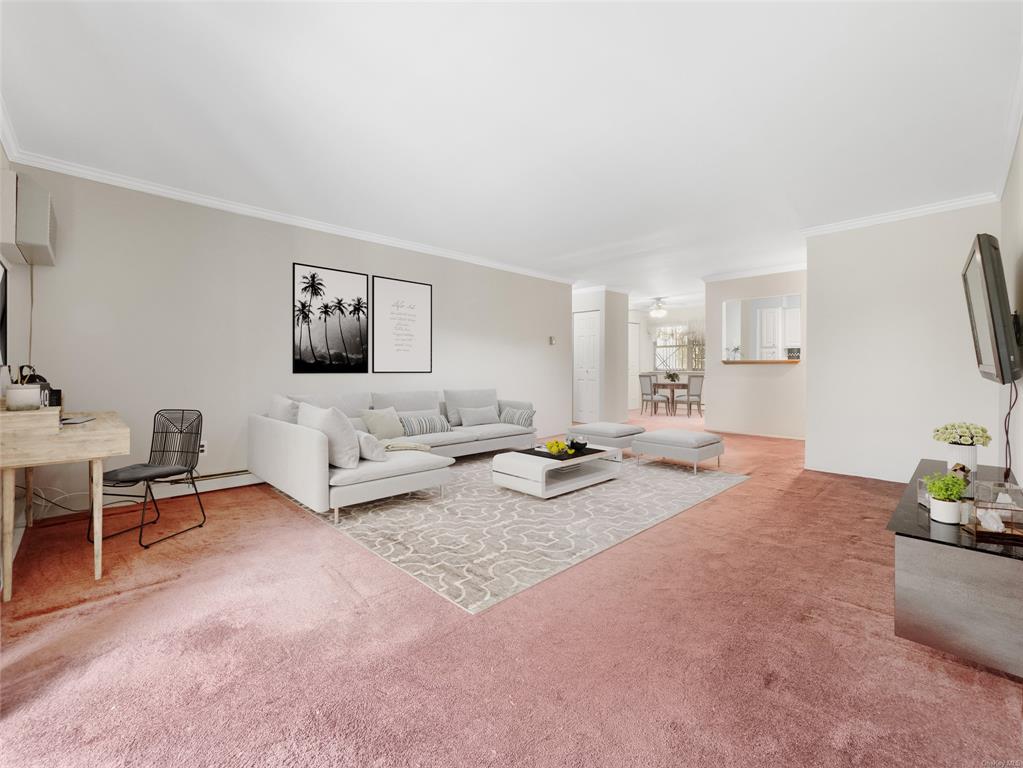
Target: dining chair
646, 390
173, 453
693, 394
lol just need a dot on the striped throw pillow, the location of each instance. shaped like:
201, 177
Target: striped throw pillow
424, 425
520, 416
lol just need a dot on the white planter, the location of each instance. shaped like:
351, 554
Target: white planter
22, 397
962, 454
945, 512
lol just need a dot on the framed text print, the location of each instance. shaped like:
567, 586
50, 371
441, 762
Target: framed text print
402, 326
330, 320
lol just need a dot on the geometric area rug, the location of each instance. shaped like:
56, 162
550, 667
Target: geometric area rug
478, 544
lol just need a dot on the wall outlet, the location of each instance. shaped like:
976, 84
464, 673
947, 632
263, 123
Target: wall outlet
202, 448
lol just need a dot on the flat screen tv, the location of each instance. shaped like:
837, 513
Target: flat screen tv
992, 322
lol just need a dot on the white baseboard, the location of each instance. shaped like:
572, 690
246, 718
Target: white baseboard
161, 491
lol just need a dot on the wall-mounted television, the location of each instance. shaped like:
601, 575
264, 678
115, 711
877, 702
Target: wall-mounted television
991, 319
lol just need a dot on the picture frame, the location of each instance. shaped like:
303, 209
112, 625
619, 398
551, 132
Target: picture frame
330, 320
402, 326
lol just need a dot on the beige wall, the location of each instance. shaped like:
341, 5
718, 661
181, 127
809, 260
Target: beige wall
891, 350
156, 303
754, 399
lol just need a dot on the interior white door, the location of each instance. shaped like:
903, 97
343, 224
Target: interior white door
633, 365
586, 373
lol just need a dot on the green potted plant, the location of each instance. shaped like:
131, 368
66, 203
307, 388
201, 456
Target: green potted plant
962, 439
945, 492
671, 376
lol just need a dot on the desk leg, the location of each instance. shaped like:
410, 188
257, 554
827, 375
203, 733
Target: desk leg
8, 532
29, 506
96, 481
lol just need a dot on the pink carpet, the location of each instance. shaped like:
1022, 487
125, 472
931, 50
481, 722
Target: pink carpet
752, 630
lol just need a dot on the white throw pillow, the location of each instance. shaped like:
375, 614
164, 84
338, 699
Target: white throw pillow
384, 423
474, 417
370, 448
283, 409
342, 442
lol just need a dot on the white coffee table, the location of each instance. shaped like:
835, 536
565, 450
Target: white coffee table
547, 477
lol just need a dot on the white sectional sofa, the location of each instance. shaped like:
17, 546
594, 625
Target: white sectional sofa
293, 458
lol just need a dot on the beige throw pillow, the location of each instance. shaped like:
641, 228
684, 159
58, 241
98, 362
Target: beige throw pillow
383, 424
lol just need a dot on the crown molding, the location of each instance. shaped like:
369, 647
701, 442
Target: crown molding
755, 272
601, 288
16, 155
905, 213
8, 138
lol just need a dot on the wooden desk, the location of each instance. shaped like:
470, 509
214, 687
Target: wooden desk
35, 438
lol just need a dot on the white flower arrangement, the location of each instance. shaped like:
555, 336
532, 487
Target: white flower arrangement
962, 434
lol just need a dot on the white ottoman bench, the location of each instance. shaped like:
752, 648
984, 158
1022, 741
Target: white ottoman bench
692, 447
608, 433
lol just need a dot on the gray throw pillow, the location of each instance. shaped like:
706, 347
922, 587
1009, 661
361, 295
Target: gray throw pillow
456, 399
424, 425
522, 417
383, 424
342, 443
474, 417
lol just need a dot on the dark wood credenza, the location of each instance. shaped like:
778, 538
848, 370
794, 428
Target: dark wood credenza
953, 593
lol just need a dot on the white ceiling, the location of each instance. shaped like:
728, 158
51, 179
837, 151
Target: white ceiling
642, 147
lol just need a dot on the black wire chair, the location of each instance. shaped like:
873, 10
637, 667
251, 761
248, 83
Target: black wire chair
174, 452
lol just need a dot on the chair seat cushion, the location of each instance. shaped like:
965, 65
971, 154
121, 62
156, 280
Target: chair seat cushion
493, 431
435, 438
655, 397
679, 438
139, 473
397, 463
606, 429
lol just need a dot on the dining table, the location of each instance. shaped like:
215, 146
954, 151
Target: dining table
670, 388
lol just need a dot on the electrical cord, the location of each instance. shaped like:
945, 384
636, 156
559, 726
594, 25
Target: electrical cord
51, 503
1013, 397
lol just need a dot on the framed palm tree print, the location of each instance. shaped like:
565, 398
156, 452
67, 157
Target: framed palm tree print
330, 320
402, 326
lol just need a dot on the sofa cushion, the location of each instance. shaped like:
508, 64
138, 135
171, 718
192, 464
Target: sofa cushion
679, 438
349, 403
342, 442
358, 424
467, 398
283, 409
383, 423
420, 400
472, 417
492, 431
397, 463
606, 429
435, 438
